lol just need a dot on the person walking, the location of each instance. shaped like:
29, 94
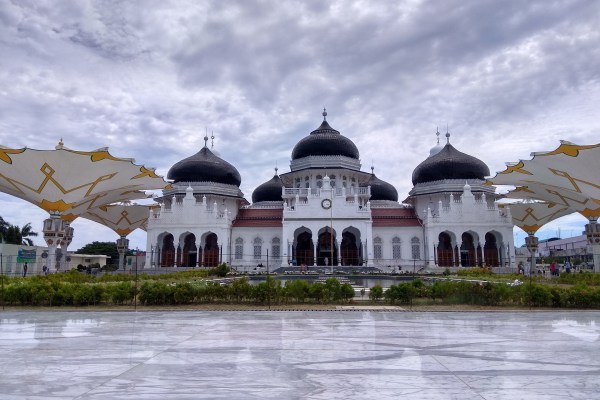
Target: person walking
567, 267
24, 270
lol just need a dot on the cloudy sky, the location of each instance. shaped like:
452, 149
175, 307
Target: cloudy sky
147, 78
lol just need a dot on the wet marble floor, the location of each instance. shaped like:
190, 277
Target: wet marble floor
299, 355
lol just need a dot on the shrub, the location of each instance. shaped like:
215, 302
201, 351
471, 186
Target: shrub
119, 293
184, 293
298, 290
403, 293
376, 293
239, 290
536, 295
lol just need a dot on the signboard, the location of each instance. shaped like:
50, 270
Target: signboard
26, 256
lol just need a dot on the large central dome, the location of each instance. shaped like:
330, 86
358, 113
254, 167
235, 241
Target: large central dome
325, 141
204, 166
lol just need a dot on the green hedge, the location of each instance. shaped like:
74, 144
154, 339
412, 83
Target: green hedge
82, 290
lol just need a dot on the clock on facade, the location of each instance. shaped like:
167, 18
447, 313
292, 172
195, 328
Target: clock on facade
326, 204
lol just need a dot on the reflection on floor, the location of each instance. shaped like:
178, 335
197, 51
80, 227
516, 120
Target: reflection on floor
299, 355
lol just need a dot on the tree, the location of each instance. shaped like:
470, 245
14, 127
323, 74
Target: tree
15, 235
3, 227
101, 248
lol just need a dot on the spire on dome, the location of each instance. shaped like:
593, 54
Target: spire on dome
447, 135
212, 139
206, 138
324, 114
437, 133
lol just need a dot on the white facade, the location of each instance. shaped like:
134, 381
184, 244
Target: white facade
326, 213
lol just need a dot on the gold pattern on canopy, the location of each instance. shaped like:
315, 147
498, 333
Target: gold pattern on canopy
123, 219
66, 183
531, 216
572, 170
566, 177
57, 180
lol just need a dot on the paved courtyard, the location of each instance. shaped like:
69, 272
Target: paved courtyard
299, 355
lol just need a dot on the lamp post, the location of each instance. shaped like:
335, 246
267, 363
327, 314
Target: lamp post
122, 247
532, 244
592, 231
54, 231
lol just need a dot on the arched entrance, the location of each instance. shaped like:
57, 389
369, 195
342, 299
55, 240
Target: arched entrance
444, 250
304, 249
326, 248
190, 251
490, 250
467, 250
350, 249
167, 251
211, 251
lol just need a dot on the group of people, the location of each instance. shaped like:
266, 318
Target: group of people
26, 267
554, 268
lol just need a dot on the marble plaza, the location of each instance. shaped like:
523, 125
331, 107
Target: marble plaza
299, 355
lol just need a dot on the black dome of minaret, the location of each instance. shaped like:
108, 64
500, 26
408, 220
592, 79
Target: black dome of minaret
268, 191
449, 163
204, 166
381, 190
325, 141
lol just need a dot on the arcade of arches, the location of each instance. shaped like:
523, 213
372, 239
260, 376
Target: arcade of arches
327, 248
189, 256
469, 252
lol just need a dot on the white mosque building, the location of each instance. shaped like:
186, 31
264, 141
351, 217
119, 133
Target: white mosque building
327, 212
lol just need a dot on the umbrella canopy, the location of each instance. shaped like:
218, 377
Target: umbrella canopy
121, 218
570, 167
61, 180
575, 201
102, 199
532, 216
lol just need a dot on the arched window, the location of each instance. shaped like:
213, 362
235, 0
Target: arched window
415, 244
377, 248
239, 248
276, 247
257, 248
396, 248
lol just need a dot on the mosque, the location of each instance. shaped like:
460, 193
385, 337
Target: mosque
327, 212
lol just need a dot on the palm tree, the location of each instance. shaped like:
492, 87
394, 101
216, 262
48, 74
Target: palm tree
3, 227
16, 235
26, 233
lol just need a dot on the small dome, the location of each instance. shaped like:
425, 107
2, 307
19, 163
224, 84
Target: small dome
204, 166
268, 191
325, 141
381, 190
449, 163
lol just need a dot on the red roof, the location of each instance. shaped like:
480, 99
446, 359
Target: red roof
394, 217
259, 217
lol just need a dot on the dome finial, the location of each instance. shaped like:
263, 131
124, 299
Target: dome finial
447, 135
276, 169
324, 114
206, 137
212, 139
437, 133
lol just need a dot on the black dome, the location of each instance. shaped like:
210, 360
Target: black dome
381, 190
449, 163
325, 141
268, 191
204, 166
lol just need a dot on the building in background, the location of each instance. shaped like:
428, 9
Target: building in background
327, 212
